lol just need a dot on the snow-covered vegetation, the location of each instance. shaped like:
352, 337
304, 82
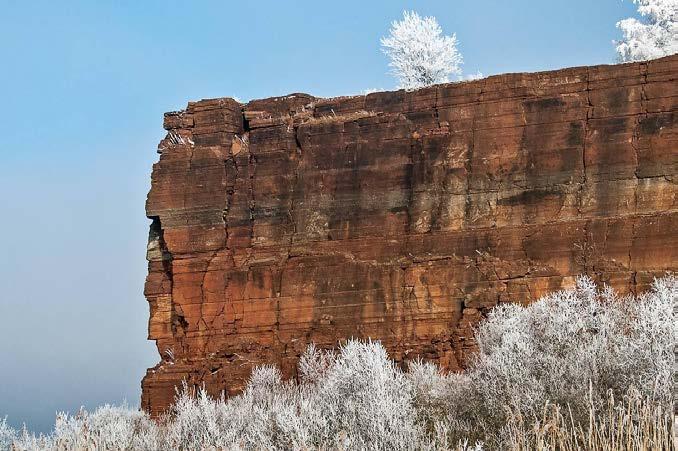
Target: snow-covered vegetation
578, 369
470, 77
420, 54
654, 36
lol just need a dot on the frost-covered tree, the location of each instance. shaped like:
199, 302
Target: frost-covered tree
7, 434
654, 36
420, 54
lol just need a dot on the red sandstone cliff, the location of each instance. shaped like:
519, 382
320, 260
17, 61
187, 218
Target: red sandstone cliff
401, 216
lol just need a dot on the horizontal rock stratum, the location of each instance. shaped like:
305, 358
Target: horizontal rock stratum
400, 216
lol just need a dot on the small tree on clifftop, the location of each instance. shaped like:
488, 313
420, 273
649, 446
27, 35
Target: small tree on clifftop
420, 54
655, 36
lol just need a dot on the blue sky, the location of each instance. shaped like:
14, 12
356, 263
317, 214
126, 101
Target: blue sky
83, 87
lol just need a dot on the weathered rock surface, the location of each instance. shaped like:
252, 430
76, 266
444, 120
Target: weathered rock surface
401, 216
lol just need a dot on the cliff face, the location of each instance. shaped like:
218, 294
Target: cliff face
400, 216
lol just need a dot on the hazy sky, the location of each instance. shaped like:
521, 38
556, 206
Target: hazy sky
83, 86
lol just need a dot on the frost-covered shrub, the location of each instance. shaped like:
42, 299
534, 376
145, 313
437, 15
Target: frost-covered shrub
654, 36
366, 398
107, 428
420, 54
550, 371
270, 414
572, 349
7, 434
356, 399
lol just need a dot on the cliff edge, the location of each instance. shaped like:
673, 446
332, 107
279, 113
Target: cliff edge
400, 216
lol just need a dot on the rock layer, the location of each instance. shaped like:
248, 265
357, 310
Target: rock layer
400, 216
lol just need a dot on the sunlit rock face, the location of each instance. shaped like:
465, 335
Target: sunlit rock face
400, 216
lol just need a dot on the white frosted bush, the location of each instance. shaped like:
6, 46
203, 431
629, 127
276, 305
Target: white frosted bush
576, 351
314, 363
568, 349
368, 399
108, 428
420, 54
572, 348
7, 434
654, 36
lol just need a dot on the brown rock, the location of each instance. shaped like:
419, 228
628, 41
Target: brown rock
400, 216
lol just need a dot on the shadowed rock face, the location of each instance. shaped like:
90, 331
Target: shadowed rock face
400, 216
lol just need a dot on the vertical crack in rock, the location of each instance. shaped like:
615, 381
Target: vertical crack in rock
292, 191
468, 169
435, 109
251, 169
583, 183
589, 111
409, 186
299, 155
643, 93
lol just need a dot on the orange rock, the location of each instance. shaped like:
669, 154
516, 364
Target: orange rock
400, 216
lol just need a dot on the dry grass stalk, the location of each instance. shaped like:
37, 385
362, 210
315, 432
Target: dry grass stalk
635, 424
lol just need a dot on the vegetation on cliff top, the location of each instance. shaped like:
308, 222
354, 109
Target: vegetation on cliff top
421, 55
654, 36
